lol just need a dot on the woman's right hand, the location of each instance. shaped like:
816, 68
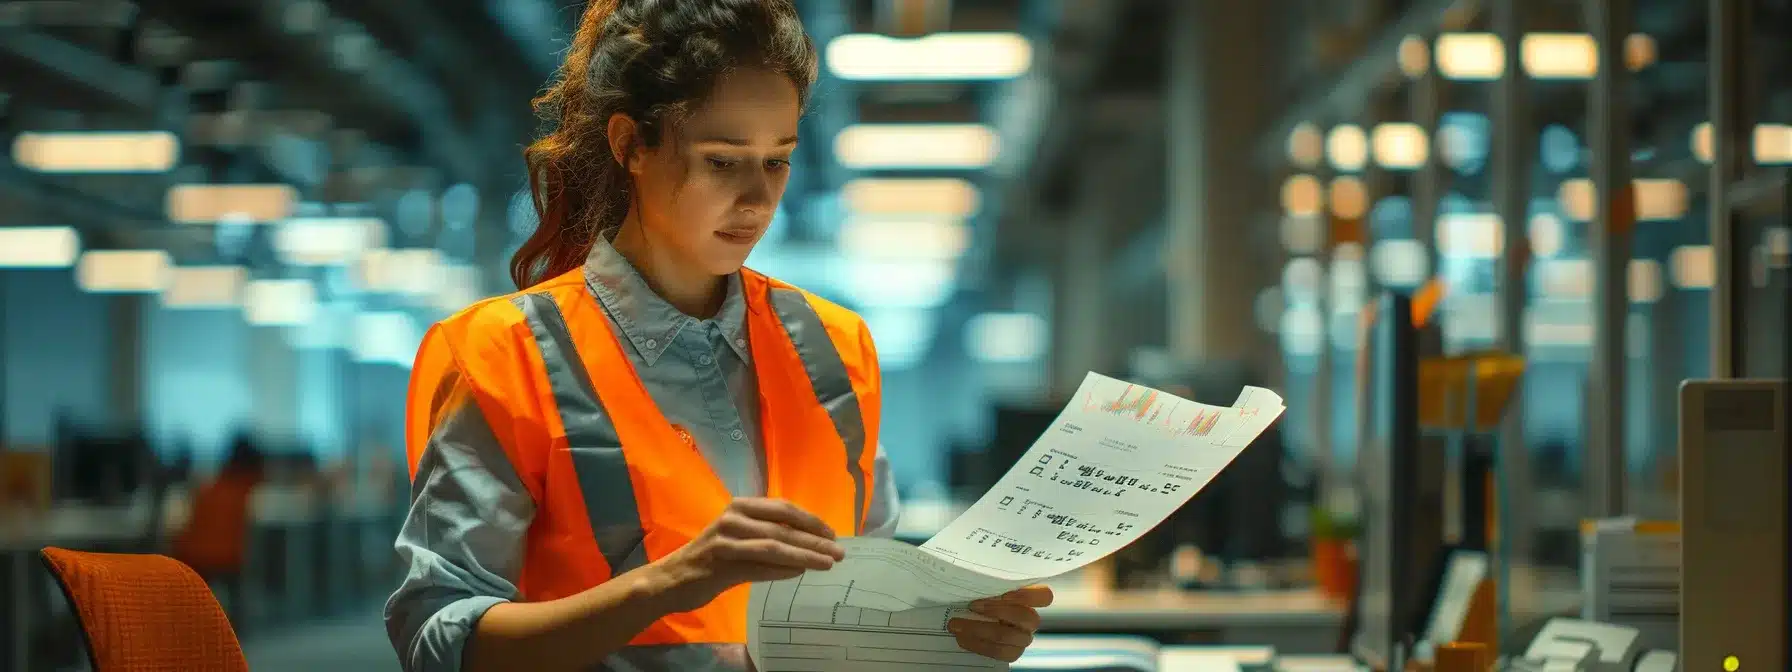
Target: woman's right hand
755, 539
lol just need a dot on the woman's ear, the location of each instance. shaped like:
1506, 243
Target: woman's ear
624, 140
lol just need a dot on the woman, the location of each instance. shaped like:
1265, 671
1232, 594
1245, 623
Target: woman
603, 461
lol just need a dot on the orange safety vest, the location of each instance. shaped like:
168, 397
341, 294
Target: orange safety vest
615, 484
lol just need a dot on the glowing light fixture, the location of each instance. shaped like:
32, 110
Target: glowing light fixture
940, 56
1007, 337
919, 238
200, 287
919, 196
916, 146
1401, 146
39, 247
1414, 56
1347, 147
279, 303
1349, 197
1302, 195
97, 152
1693, 267
123, 271
1560, 55
1471, 56
1656, 199
1646, 285
210, 203
1306, 146
327, 241
1473, 235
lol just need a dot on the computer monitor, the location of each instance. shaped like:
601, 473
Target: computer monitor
1735, 469
1387, 388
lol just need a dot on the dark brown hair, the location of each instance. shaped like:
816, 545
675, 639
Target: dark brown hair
649, 59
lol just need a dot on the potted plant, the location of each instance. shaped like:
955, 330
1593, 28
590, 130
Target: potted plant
1333, 543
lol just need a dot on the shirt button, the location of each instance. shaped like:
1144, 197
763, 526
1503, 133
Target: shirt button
706, 360
740, 342
736, 434
651, 344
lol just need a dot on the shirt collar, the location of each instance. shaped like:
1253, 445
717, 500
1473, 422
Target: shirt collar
649, 323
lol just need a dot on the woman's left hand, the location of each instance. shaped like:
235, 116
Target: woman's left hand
1016, 617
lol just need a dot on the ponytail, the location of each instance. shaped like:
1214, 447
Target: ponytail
573, 194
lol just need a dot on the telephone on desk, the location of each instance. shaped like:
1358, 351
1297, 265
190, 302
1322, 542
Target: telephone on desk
1574, 645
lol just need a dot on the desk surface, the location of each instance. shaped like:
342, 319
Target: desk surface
1170, 609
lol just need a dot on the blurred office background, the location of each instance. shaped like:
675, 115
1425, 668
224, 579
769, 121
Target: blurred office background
224, 226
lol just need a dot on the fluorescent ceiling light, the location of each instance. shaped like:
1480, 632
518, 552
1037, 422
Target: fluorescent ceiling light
205, 287
1565, 278
1471, 235
279, 303
327, 241
898, 146
1693, 267
941, 56
411, 271
1470, 56
39, 247
1007, 337
1656, 199
1560, 55
1401, 145
124, 271
921, 238
386, 337
899, 284
917, 196
97, 152
211, 203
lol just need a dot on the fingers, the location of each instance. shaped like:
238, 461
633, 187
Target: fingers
740, 526
783, 513
990, 639
1016, 615
774, 552
1037, 597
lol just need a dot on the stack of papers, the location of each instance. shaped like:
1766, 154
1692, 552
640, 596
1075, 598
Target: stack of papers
1118, 460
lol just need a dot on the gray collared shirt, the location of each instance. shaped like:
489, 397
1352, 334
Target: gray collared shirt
463, 537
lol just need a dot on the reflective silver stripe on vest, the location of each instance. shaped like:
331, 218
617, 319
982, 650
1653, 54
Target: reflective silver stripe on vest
833, 386
596, 451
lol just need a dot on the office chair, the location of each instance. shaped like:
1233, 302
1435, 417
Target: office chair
145, 612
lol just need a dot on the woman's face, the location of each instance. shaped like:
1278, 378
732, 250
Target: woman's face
708, 190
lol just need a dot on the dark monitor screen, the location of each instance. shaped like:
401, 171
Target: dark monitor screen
1387, 383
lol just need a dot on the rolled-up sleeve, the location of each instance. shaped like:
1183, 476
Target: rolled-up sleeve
885, 510
462, 541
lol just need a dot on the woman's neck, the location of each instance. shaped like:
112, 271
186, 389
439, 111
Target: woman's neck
691, 290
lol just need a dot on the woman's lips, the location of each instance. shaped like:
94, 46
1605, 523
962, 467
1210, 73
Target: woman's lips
738, 235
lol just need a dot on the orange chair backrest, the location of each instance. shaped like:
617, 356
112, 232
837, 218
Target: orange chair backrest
217, 531
145, 612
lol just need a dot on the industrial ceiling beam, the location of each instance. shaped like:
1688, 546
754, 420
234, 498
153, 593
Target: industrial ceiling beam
31, 63
305, 49
1343, 96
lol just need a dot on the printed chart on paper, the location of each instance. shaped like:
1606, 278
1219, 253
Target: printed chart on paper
1118, 460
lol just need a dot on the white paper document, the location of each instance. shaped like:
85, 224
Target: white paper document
1119, 459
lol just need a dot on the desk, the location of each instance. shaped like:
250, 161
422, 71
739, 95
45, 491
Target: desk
72, 526
1293, 621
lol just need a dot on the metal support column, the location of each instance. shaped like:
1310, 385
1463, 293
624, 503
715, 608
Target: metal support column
1513, 155
1610, 240
1425, 103
1731, 133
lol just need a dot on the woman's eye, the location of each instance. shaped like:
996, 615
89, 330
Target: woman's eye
777, 164
721, 164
